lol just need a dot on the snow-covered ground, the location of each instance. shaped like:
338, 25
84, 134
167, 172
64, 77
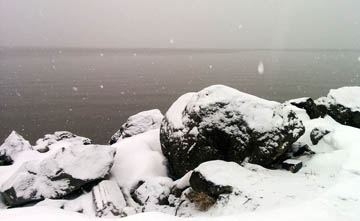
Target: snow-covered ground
326, 188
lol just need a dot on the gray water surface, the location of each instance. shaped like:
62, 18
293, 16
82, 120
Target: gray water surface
91, 92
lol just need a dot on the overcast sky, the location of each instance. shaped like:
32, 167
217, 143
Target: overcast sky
181, 23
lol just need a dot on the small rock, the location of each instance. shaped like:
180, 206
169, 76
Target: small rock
292, 165
13, 145
153, 191
299, 149
343, 105
199, 183
44, 144
201, 200
317, 134
309, 106
108, 199
137, 124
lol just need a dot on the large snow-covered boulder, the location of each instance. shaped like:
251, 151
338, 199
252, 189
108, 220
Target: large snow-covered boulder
13, 145
223, 123
343, 105
58, 174
137, 124
44, 144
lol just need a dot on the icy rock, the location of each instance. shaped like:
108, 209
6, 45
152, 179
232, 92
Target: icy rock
223, 123
44, 144
58, 174
317, 134
292, 165
343, 105
299, 148
108, 199
309, 106
13, 145
137, 124
199, 183
154, 191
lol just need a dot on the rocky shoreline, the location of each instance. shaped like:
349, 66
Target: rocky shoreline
215, 152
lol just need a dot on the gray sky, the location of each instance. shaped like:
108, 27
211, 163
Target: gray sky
181, 23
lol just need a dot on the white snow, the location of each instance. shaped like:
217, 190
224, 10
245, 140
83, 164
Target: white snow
292, 161
14, 144
346, 96
257, 112
59, 139
138, 158
174, 114
79, 161
326, 188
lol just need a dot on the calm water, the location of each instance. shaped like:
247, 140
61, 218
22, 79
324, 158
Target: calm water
92, 92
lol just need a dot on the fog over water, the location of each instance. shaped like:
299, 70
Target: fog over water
87, 65
181, 24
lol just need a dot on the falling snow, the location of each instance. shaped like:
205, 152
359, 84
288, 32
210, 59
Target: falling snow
261, 67
75, 89
101, 54
210, 66
171, 41
101, 86
240, 27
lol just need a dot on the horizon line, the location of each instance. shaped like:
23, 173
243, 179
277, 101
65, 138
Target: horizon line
173, 49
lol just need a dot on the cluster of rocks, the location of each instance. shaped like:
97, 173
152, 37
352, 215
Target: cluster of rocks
342, 104
217, 124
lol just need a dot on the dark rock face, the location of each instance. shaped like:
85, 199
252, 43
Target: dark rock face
57, 175
13, 145
317, 134
297, 149
199, 183
310, 107
343, 105
292, 165
137, 124
44, 144
108, 199
343, 114
222, 123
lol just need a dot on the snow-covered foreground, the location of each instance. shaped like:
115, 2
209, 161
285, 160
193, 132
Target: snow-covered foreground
326, 187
